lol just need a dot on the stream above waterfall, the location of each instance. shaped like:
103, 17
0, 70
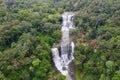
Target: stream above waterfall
67, 47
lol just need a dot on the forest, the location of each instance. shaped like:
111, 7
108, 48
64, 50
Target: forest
28, 29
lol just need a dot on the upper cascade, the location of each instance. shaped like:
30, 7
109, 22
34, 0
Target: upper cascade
67, 20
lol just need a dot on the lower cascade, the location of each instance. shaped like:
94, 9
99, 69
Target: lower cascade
63, 60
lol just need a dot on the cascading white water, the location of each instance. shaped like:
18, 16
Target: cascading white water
67, 47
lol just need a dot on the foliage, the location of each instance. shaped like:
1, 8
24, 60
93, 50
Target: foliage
28, 29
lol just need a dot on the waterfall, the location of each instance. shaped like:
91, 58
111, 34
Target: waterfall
67, 47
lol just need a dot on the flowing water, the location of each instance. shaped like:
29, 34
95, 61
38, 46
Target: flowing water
63, 60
